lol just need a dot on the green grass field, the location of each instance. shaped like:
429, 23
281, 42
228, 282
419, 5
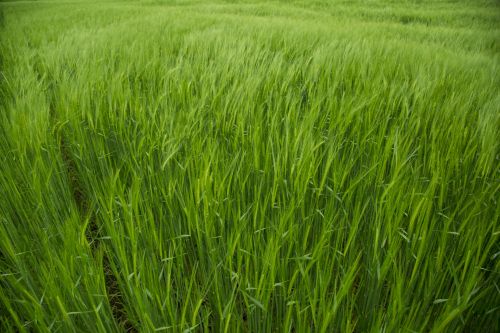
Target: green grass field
250, 166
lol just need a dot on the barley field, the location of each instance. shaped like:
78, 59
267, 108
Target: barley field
250, 166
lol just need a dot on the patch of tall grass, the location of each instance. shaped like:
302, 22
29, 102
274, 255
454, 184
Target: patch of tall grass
249, 166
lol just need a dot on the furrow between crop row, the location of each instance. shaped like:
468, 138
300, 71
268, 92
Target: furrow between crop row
84, 205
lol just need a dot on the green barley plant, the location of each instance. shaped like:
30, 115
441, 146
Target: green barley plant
250, 166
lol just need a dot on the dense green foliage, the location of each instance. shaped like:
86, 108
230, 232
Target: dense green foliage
224, 166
